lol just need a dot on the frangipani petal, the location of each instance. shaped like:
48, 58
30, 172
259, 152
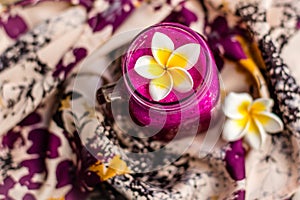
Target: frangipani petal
147, 67
182, 80
262, 104
270, 122
162, 47
263, 134
236, 106
160, 88
253, 140
185, 56
256, 135
235, 129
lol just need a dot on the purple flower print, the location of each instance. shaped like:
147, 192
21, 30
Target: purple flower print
7, 184
14, 26
79, 54
44, 143
34, 166
12, 137
31, 119
79, 177
65, 173
83, 175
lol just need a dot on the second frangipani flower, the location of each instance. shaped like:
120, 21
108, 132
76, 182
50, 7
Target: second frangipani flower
168, 67
249, 119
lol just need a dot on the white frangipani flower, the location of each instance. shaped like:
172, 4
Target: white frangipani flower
249, 119
167, 68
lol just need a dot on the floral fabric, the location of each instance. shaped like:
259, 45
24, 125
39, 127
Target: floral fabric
56, 142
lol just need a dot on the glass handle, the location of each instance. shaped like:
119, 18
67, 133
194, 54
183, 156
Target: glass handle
107, 94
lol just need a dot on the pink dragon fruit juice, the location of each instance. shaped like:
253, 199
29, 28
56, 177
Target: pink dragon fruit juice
177, 108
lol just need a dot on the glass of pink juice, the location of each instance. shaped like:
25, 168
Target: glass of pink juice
187, 105
177, 110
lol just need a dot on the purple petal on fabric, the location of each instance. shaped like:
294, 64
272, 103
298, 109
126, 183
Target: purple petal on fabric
221, 41
29, 197
239, 195
31, 119
7, 184
235, 160
183, 16
189, 16
220, 25
219, 60
14, 26
233, 49
11, 138
79, 54
65, 173
117, 13
44, 143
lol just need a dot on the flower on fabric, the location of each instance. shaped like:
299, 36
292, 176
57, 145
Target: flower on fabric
249, 119
167, 68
